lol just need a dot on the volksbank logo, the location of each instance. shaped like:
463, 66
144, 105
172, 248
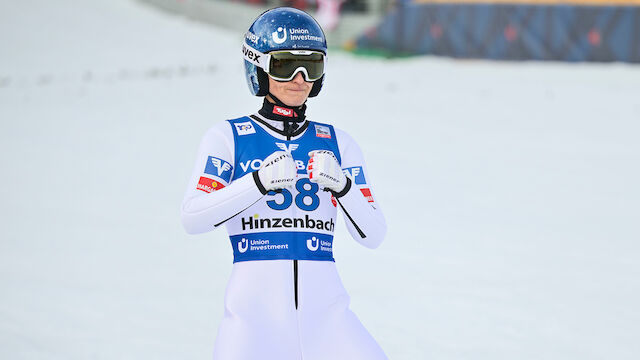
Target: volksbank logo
220, 164
287, 147
253, 222
218, 167
255, 164
277, 38
356, 174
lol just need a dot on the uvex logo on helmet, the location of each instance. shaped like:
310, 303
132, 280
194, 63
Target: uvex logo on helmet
252, 37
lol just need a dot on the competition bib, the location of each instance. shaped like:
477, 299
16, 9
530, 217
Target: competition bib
295, 223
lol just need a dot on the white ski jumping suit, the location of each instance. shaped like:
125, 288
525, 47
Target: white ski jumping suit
284, 299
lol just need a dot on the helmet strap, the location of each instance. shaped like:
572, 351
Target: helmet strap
263, 82
317, 86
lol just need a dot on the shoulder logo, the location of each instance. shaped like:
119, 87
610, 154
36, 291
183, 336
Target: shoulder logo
277, 38
208, 185
221, 165
287, 147
323, 131
218, 167
366, 192
245, 128
355, 174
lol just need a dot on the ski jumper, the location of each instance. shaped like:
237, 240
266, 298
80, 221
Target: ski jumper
284, 299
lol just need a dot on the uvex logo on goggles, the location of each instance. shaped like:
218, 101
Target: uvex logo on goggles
284, 65
251, 55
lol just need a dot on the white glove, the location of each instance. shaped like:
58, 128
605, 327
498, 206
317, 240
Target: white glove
278, 171
325, 170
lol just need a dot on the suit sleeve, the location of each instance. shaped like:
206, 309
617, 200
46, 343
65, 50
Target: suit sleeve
211, 197
365, 221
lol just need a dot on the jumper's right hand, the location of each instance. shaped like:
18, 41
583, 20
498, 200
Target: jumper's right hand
278, 171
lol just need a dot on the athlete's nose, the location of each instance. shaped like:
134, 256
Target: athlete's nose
299, 78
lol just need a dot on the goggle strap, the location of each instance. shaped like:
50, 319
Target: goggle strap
255, 57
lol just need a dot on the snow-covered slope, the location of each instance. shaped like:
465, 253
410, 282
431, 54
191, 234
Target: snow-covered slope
510, 192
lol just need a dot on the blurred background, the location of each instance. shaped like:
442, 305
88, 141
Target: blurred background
501, 137
564, 30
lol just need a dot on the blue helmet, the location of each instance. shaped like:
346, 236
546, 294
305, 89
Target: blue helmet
282, 28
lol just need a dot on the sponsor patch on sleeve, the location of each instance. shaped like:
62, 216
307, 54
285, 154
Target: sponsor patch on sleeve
218, 167
245, 128
209, 185
367, 194
323, 131
356, 174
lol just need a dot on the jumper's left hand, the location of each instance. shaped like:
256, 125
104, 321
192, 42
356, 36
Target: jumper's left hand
324, 169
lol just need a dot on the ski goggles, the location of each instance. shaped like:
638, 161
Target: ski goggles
283, 65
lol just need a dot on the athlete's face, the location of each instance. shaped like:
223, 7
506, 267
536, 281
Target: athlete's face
292, 93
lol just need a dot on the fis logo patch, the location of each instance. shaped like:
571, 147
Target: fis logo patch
287, 147
323, 132
245, 128
218, 167
355, 174
209, 185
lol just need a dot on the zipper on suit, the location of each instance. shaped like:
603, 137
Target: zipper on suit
295, 281
288, 131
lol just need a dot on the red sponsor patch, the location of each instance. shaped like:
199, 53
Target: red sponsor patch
333, 201
283, 111
367, 194
208, 185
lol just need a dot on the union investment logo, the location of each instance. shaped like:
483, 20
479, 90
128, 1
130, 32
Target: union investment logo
276, 35
243, 245
313, 243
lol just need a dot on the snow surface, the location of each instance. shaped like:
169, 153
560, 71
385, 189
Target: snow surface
510, 189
